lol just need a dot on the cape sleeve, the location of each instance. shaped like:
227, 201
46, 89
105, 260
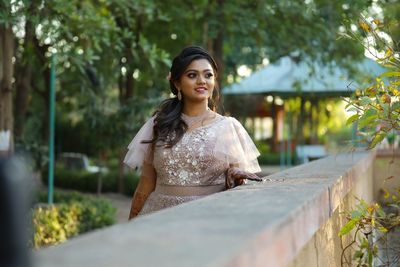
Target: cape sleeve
139, 152
236, 147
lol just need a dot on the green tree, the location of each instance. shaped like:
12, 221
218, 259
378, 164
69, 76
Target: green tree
114, 53
8, 18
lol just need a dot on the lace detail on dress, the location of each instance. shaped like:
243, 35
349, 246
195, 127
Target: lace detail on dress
191, 161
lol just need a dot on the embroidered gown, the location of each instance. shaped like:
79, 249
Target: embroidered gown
196, 165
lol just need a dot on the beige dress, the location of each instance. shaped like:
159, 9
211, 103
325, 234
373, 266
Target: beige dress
196, 165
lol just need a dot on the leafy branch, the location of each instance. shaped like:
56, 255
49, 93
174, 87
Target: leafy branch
376, 112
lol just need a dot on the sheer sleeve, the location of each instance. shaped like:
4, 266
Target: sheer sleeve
236, 147
139, 152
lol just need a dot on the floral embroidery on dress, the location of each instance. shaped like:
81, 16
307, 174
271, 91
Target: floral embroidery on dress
191, 161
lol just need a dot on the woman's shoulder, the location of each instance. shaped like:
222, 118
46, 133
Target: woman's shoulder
230, 120
226, 124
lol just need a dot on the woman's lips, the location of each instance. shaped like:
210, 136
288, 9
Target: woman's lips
201, 89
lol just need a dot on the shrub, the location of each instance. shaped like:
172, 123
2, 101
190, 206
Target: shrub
273, 159
82, 180
72, 214
88, 182
262, 146
130, 181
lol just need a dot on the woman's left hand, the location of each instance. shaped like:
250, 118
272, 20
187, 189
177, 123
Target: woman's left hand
235, 177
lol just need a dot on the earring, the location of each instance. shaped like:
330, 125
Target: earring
179, 95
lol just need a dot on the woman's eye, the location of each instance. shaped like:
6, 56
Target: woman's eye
192, 75
209, 75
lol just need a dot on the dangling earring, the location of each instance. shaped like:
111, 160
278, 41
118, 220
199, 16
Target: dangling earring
179, 95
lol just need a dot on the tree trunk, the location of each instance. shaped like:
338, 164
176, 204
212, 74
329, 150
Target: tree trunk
215, 45
6, 76
43, 92
23, 82
121, 84
218, 43
129, 83
46, 100
126, 84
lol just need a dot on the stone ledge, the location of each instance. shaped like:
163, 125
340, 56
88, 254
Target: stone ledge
388, 152
259, 224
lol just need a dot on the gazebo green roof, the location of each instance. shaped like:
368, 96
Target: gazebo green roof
288, 78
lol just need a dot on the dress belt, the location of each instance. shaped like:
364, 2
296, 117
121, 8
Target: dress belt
182, 190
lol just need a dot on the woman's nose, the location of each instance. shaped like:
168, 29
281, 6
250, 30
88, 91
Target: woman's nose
201, 79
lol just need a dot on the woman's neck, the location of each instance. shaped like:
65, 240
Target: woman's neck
194, 109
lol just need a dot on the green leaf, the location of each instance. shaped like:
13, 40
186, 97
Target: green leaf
352, 119
358, 254
353, 109
366, 119
390, 74
380, 212
348, 226
377, 139
365, 100
356, 214
382, 229
370, 258
371, 112
396, 106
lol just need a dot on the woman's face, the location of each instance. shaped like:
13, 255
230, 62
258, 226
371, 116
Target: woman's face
198, 81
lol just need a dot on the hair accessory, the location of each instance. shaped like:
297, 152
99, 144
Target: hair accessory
179, 95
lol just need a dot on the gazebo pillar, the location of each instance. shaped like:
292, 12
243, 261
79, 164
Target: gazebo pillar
274, 139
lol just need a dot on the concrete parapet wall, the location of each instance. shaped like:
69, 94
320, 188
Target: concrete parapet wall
386, 173
325, 247
290, 221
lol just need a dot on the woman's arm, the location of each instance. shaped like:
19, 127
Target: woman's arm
147, 184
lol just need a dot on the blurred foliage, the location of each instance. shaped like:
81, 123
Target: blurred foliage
274, 159
88, 182
71, 215
112, 56
377, 113
130, 182
377, 107
262, 146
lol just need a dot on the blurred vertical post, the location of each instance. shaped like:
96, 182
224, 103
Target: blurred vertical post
289, 141
282, 145
16, 187
52, 100
354, 138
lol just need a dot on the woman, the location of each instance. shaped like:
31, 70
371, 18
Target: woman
186, 150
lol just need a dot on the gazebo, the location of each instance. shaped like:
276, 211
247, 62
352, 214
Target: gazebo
265, 90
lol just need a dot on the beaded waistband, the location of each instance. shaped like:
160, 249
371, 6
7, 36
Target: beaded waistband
181, 190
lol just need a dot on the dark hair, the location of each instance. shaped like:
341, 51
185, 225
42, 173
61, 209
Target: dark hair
168, 124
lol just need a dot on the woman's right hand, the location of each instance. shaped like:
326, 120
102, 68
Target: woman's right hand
236, 177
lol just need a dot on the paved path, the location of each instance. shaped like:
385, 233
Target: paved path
122, 203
